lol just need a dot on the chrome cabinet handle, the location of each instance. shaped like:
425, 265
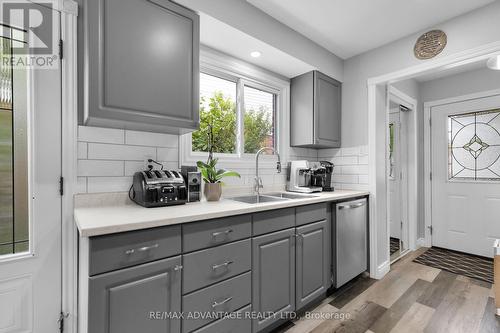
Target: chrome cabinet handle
352, 206
142, 249
216, 304
226, 232
178, 268
226, 264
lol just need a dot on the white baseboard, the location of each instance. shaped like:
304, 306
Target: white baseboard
421, 242
382, 270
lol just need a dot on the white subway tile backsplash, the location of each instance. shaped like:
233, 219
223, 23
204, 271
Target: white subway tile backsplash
345, 160
151, 139
328, 153
108, 184
82, 150
363, 160
345, 179
81, 184
363, 150
100, 168
98, 134
351, 151
101, 151
167, 154
354, 169
363, 179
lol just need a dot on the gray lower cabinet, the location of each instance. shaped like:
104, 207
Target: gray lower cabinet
273, 276
141, 65
313, 267
315, 112
136, 299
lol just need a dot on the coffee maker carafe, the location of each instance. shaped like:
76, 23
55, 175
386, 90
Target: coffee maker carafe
327, 183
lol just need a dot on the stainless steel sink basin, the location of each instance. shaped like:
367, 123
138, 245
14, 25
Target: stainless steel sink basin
286, 195
253, 199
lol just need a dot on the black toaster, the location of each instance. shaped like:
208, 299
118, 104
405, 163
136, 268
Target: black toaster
158, 188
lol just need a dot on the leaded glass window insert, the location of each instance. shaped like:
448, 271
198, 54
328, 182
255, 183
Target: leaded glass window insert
474, 146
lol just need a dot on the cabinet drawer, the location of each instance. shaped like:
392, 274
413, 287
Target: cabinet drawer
209, 266
210, 233
273, 220
237, 324
111, 252
311, 213
226, 296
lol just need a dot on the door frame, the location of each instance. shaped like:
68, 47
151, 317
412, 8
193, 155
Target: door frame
428, 151
410, 191
69, 95
377, 90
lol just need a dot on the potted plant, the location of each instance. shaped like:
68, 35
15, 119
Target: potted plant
210, 174
212, 177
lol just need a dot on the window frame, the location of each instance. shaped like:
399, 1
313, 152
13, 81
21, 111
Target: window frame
243, 74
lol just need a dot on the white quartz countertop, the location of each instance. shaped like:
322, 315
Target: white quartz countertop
108, 219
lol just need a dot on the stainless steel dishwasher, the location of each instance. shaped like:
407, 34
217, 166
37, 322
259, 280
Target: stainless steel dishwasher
351, 235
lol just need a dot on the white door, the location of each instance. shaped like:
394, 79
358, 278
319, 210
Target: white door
30, 202
465, 161
395, 202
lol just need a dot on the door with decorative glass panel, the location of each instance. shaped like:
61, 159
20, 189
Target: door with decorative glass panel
465, 162
30, 202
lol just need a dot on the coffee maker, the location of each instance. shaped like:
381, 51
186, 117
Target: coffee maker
300, 175
327, 181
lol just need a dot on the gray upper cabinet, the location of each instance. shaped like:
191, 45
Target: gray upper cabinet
273, 276
313, 266
141, 65
315, 111
121, 301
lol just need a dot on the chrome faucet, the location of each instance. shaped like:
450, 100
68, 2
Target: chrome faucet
258, 181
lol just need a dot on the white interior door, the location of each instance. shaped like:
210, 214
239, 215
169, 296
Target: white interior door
395, 202
30, 202
465, 162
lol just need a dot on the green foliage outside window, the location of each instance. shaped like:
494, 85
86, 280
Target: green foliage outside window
218, 121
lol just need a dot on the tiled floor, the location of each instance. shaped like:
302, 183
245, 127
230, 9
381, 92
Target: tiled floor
410, 298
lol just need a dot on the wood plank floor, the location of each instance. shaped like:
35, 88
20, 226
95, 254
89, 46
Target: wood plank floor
410, 298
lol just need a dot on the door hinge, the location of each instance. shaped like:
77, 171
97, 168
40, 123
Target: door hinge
430, 175
62, 317
430, 122
430, 229
61, 185
61, 48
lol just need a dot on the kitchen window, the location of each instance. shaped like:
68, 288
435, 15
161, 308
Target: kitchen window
240, 110
236, 125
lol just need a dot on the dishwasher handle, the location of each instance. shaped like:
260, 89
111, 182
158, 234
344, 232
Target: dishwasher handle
356, 205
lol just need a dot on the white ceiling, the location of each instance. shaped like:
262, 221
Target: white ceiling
224, 38
351, 27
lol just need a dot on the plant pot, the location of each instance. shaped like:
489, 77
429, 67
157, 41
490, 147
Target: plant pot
213, 191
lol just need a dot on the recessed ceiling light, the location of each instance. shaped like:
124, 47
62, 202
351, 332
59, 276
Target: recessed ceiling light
494, 63
255, 54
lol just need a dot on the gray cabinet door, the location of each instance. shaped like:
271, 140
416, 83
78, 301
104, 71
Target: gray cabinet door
315, 111
273, 276
312, 262
136, 299
141, 65
327, 111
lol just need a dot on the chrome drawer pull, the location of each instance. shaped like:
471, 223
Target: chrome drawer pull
226, 264
352, 206
178, 268
142, 249
216, 304
226, 232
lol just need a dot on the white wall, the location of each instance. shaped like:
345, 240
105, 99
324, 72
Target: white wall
460, 84
252, 21
474, 29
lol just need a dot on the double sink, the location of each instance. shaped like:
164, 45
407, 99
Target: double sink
271, 197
